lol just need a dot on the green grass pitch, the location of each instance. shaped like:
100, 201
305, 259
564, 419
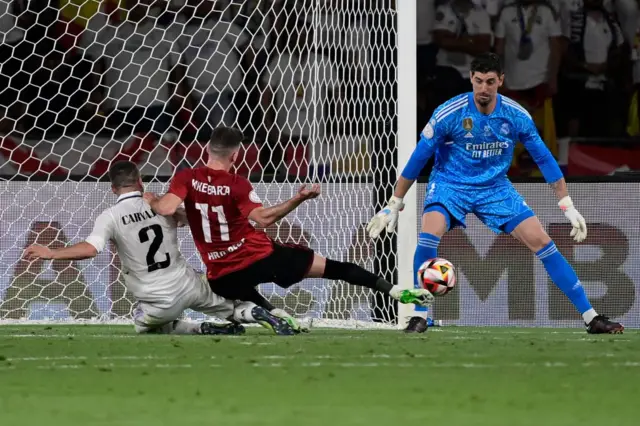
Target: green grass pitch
106, 375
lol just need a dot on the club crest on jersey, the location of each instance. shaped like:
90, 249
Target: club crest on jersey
504, 129
254, 197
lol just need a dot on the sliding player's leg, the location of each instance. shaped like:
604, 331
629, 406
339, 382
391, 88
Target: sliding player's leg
240, 286
504, 210
321, 267
238, 307
191, 291
253, 295
154, 319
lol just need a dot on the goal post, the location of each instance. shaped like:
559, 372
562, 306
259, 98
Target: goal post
406, 142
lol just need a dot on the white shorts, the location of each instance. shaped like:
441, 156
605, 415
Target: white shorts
196, 295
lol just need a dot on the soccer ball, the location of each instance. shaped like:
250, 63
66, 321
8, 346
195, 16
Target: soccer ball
438, 276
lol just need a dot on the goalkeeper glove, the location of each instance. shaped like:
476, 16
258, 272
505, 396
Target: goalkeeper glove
387, 217
579, 231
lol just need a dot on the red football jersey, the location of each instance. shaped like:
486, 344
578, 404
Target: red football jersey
218, 204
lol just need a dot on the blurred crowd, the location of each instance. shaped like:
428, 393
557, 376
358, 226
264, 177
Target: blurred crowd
181, 68
574, 64
582, 55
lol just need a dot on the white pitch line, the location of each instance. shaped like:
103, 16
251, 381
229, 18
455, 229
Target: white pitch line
291, 358
60, 366
67, 336
84, 358
173, 366
466, 365
537, 338
256, 343
468, 334
135, 357
48, 358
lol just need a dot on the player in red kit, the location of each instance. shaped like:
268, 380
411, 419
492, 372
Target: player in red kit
219, 206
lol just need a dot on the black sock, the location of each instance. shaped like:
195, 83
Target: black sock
254, 296
354, 274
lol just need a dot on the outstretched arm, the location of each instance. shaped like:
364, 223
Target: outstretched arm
78, 251
560, 188
433, 134
402, 186
167, 205
94, 244
265, 216
553, 175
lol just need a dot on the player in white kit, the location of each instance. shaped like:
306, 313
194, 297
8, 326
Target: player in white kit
160, 279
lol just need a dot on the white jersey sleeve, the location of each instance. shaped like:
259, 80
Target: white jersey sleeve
102, 231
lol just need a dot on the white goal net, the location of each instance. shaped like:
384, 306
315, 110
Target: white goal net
311, 83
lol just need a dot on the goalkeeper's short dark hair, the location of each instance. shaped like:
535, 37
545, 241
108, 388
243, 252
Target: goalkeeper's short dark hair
225, 140
123, 174
487, 62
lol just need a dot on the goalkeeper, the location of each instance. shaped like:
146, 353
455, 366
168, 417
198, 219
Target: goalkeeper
473, 137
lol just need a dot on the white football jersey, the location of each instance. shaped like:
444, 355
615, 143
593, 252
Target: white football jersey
523, 74
147, 244
477, 22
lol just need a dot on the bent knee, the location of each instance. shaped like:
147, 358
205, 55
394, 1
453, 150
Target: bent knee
539, 242
436, 222
531, 233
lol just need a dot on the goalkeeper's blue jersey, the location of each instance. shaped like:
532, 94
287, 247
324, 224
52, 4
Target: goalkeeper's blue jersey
475, 149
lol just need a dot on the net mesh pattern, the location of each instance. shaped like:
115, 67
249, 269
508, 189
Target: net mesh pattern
86, 83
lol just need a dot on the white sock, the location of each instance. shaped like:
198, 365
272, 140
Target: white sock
242, 312
395, 292
589, 315
185, 327
280, 313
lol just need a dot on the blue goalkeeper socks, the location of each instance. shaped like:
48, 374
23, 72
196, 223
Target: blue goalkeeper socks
563, 275
427, 249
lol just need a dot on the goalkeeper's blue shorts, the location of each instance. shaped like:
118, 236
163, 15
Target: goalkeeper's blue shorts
499, 207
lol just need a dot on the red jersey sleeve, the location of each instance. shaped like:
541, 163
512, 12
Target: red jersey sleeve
245, 197
180, 184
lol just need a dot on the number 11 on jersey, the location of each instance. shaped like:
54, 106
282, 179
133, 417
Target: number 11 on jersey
206, 223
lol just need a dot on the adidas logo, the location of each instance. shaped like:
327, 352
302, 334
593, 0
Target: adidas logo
468, 135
